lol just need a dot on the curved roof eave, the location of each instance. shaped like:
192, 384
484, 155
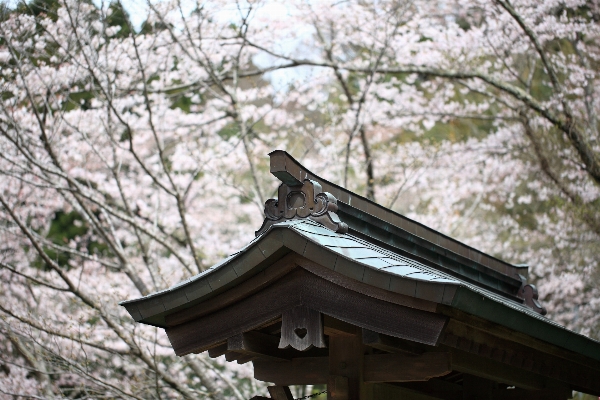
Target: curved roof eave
360, 260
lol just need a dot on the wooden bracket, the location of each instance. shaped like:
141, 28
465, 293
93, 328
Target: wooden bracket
301, 328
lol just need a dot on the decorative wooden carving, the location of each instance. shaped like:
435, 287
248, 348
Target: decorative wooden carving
529, 294
301, 328
303, 201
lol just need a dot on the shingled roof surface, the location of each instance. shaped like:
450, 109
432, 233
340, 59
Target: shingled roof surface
365, 262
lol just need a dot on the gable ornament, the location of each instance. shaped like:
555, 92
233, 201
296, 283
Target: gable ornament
303, 201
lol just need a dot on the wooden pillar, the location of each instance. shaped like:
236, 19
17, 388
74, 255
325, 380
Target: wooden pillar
346, 368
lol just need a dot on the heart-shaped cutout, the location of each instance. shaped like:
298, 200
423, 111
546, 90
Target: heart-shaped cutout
300, 332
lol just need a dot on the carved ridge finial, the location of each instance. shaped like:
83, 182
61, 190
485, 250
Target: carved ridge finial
303, 201
529, 293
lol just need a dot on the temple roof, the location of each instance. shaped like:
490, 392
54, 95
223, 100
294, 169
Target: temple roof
365, 262
330, 271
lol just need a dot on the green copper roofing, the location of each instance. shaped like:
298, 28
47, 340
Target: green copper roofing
365, 262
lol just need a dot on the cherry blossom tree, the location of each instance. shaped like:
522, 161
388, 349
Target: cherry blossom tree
135, 157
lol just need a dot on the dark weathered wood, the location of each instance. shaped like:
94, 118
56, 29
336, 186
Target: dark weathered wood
217, 351
346, 360
299, 371
493, 370
488, 346
391, 344
335, 327
243, 316
235, 294
363, 288
244, 358
232, 356
259, 345
271, 328
482, 363
301, 287
465, 325
337, 388
385, 391
437, 387
280, 393
301, 328
314, 370
404, 368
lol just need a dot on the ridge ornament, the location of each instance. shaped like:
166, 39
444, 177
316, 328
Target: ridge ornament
303, 201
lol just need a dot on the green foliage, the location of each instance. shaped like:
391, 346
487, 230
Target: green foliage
119, 17
39, 7
64, 228
150, 28
229, 131
78, 100
182, 102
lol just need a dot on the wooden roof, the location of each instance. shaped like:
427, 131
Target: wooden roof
359, 271
359, 260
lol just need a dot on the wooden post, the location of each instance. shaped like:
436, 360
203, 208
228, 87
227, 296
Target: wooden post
346, 368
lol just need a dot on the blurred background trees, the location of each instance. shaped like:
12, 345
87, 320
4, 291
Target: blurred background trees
133, 156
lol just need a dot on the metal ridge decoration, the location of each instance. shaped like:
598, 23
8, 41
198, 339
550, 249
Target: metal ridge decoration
303, 201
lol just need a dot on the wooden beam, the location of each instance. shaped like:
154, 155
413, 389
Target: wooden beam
232, 356
299, 371
280, 393
485, 345
384, 391
217, 351
335, 327
259, 344
391, 344
244, 358
441, 389
436, 387
470, 362
493, 370
402, 368
376, 367
465, 325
